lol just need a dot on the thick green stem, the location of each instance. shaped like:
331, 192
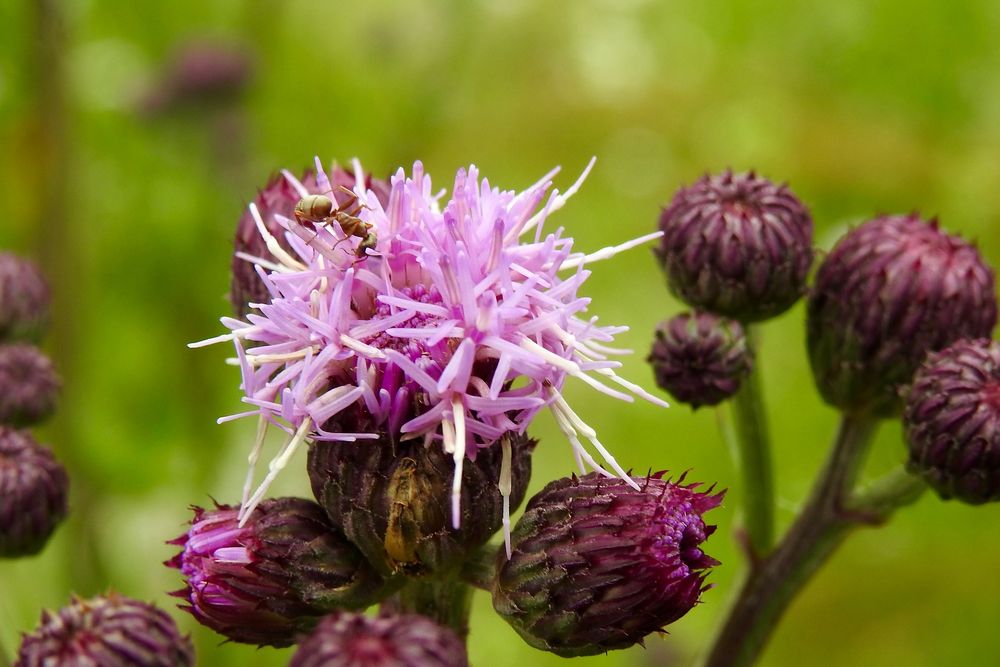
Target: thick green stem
754, 461
480, 570
445, 600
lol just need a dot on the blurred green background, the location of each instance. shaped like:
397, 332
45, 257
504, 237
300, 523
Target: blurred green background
125, 181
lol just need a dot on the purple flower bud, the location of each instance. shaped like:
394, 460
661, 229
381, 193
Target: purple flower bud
111, 631
354, 640
33, 489
24, 299
29, 385
279, 197
598, 565
737, 245
394, 500
273, 578
700, 358
952, 421
889, 292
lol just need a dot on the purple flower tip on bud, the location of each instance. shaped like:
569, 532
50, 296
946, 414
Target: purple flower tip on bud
29, 386
268, 581
952, 421
597, 565
888, 293
700, 358
110, 631
737, 245
33, 489
24, 299
388, 640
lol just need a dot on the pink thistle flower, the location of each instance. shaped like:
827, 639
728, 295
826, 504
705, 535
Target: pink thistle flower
460, 326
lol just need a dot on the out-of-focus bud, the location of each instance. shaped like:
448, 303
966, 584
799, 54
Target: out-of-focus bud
110, 631
388, 640
24, 299
33, 490
952, 421
29, 386
200, 74
737, 245
597, 565
891, 291
272, 579
700, 358
394, 500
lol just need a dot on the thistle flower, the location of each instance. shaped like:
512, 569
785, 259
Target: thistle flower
699, 358
273, 578
33, 489
392, 500
889, 292
355, 640
737, 245
29, 385
952, 421
110, 631
456, 328
597, 565
24, 299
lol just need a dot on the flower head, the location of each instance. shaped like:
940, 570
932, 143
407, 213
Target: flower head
737, 245
109, 631
453, 322
952, 421
24, 299
33, 490
889, 292
387, 640
271, 579
29, 386
597, 565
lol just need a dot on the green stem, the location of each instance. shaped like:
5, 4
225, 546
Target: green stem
479, 570
445, 600
819, 529
754, 461
878, 500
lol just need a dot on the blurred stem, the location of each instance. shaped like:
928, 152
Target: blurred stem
878, 500
824, 522
754, 458
445, 600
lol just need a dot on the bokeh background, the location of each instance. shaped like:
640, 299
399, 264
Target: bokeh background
132, 135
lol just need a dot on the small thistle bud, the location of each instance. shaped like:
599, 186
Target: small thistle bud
387, 640
952, 421
273, 578
700, 358
111, 631
889, 292
33, 489
597, 565
395, 501
24, 299
29, 385
737, 245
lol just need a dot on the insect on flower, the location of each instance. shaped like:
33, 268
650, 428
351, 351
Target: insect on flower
322, 210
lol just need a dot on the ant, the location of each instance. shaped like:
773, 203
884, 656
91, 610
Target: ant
322, 210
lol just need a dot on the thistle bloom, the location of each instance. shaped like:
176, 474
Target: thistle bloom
888, 293
110, 631
952, 421
457, 328
33, 490
273, 578
597, 565
388, 640
29, 386
24, 299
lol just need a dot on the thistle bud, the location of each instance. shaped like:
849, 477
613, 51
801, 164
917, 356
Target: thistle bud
737, 245
33, 489
700, 358
24, 299
952, 421
889, 292
111, 631
394, 501
273, 578
387, 640
597, 565
29, 385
